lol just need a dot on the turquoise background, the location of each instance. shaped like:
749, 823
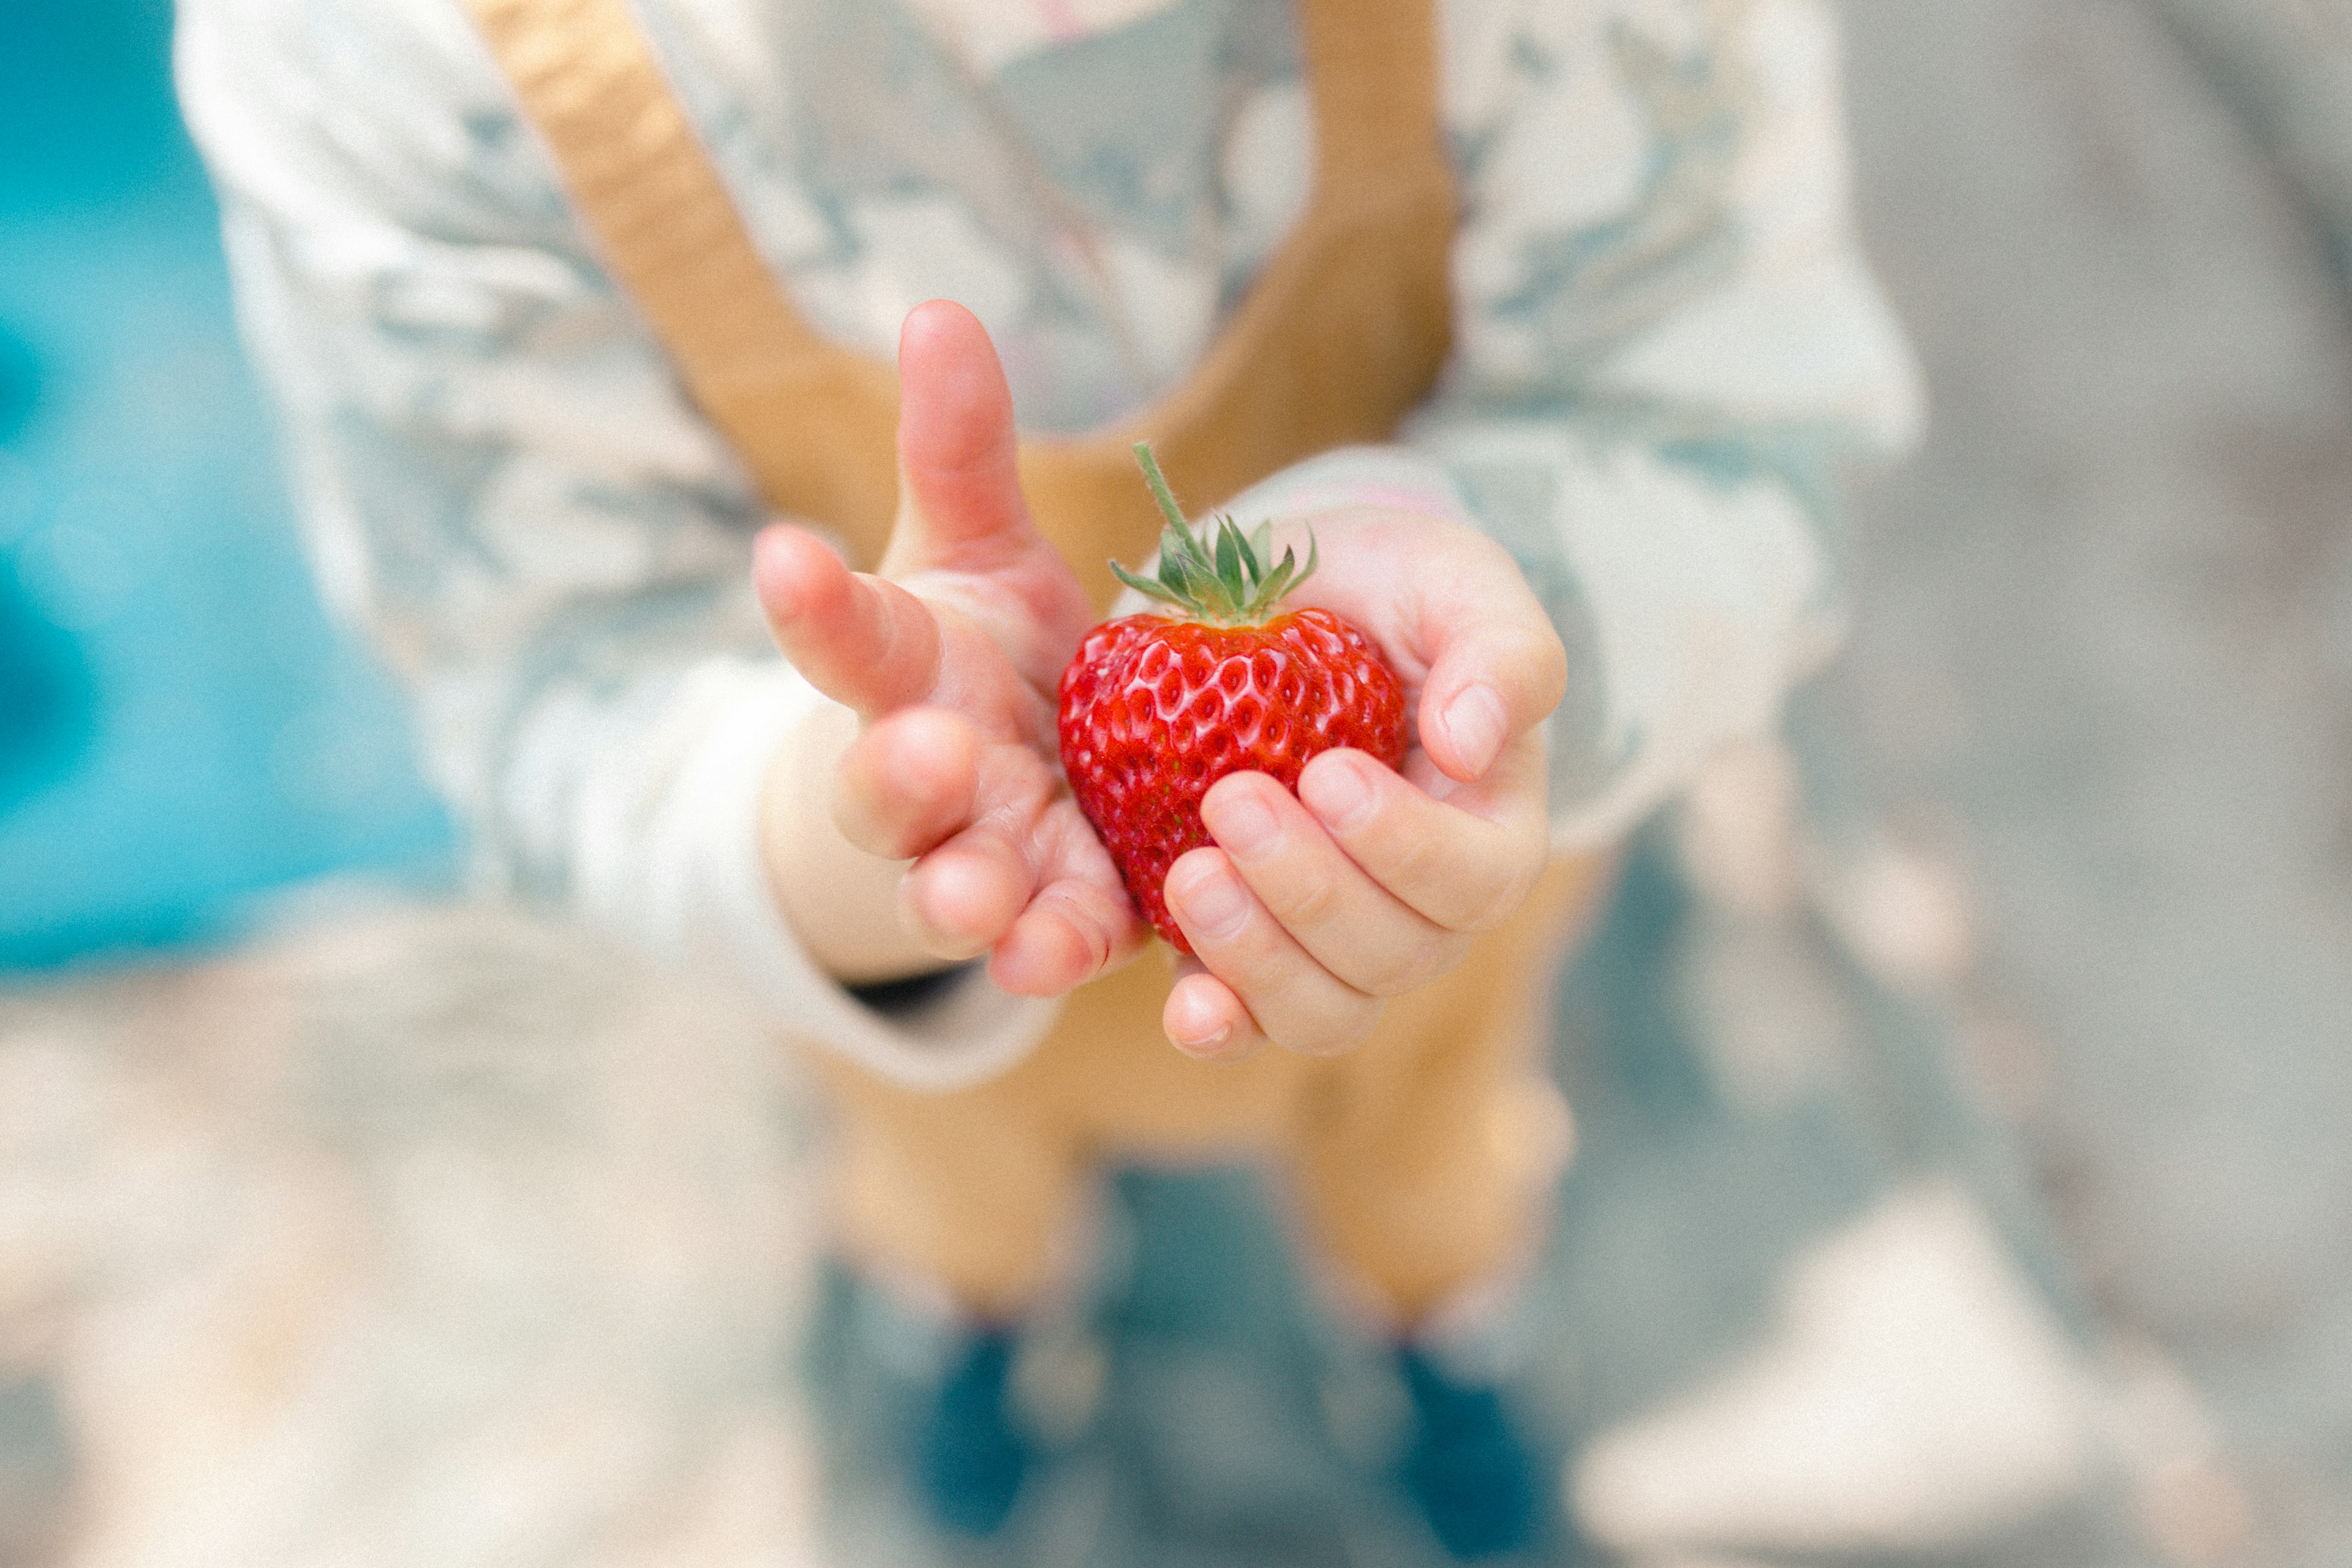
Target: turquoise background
180, 730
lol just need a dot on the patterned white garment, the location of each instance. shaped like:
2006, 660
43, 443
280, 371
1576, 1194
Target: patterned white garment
1668, 342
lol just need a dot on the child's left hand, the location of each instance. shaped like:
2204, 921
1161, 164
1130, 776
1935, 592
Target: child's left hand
1311, 910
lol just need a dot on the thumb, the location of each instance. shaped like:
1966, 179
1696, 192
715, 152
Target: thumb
1496, 675
960, 502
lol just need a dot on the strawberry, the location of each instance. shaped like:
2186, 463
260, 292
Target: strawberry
1158, 707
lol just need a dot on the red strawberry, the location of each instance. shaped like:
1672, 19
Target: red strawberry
1158, 707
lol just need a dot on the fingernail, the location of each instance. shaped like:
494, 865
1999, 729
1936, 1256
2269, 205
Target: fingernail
1243, 826
1337, 793
1203, 1045
1197, 1027
1474, 722
1217, 903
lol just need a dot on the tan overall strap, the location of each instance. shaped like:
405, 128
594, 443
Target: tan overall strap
1343, 334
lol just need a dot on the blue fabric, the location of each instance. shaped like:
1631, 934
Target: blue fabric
971, 1454
1475, 1479
180, 730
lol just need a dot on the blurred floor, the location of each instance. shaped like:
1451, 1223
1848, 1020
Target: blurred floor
416, 1236
2105, 659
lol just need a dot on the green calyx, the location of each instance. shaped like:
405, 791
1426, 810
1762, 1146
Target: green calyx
1234, 581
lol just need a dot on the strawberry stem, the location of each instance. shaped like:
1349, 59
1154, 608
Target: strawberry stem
1227, 583
1158, 485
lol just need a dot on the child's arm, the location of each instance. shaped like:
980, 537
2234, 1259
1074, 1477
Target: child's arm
504, 487
1666, 345
951, 654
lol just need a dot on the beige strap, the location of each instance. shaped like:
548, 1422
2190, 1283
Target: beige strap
640, 177
1342, 334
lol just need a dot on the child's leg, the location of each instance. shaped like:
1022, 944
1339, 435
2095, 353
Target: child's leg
1441, 1190
1425, 1211
973, 1192
1425, 1168
978, 1191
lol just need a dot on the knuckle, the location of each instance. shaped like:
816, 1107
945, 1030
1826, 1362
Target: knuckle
1498, 906
1427, 963
867, 830
1333, 1036
1414, 859
1338, 1026
1237, 955
903, 829
1304, 903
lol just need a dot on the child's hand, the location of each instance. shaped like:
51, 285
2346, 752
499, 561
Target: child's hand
1307, 914
950, 656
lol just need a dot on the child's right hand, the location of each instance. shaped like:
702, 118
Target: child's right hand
950, 656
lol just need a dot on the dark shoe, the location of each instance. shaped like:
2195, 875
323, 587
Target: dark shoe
1477, 1483
970, 1456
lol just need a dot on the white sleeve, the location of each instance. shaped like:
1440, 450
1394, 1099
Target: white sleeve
1667, 346
503, 486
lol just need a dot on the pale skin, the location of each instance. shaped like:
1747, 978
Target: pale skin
928, 822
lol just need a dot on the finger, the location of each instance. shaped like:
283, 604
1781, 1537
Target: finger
960, 505
1367, 937
868, 644
959, 900
961, 897
1205, 1020
964, 897
1080, 924
1295, 1002
907, 782
1028, 883
1466, 862
1496, 670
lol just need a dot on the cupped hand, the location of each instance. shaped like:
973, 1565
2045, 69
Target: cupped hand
1311, 910
951, 654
